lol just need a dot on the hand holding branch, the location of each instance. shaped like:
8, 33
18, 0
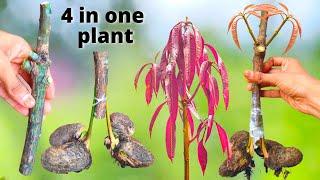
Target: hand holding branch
290, 81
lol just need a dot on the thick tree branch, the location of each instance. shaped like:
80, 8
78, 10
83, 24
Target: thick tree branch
256, 121
38, 70
101, 81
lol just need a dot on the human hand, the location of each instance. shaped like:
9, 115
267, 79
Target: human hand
14, 82
290, 82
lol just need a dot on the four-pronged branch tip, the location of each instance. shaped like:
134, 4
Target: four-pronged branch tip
37, 67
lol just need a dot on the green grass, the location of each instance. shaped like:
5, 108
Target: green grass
282, 123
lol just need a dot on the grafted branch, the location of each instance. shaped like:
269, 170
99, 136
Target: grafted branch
38, 71
276, 32
256, 121
249, 28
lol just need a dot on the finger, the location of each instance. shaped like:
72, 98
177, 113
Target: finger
270, 93
47, 107
15, 86
14, 47
262, 85
51, 88
22, 110
258, 77
274, 61
275, 70
19, 52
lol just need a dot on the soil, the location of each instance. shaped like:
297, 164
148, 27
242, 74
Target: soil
280, 157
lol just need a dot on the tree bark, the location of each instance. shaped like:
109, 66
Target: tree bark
256, 120
101, 81
38, 70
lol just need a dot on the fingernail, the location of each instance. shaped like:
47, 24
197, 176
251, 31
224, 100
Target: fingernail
47, 108
247, 73
28, 100
34, 56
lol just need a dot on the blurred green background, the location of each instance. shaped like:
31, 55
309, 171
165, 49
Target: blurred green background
72, 69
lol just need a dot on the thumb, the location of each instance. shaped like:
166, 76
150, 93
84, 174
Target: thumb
258, 77
14, 84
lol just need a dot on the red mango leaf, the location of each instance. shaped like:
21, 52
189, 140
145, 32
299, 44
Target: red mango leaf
190, 121
265, 7
209, 127
293, 37
223, 73
191, 105
232, 21
202, 156
209, 98
298, 24
234, 31
203, 57
156, 78
203, 75
199, 43
175, 50
171, 137
154, 117
254, 13
188, 60
284, 6
248, 6
271, 14
225, 144
148, 82
181, 86
214, 90
163, 65
136, 79
199, 130
171, 85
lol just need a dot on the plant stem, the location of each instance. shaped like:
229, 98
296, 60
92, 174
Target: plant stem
38, 71
256, 121
99, 99
186, 140
101, 82
277, 31
249, 29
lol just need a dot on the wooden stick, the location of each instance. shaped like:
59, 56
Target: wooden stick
38, 70
101, 81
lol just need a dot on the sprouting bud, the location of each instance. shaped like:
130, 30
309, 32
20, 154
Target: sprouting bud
70, 157
66, 133
122, 126
131, 153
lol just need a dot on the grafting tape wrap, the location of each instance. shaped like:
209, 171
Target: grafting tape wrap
38, 70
